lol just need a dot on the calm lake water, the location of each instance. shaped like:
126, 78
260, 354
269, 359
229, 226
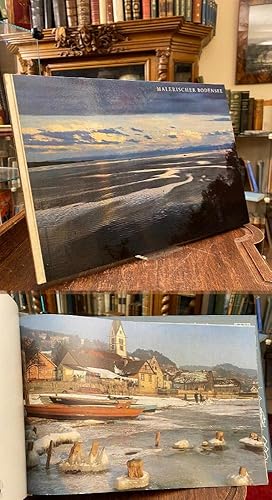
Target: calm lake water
168, 468
91, 214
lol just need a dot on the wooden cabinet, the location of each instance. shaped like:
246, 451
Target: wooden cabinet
164, 49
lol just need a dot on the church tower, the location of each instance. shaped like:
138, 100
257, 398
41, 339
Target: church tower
118, 341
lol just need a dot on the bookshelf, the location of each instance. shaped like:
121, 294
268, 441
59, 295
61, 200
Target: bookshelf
165, 49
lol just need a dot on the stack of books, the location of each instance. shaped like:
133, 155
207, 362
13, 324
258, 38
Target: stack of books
246, 112
72, 13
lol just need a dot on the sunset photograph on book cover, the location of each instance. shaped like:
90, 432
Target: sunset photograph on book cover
122, 404
120, 168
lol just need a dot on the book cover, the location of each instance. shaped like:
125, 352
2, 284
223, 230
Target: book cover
168, 398
126, 188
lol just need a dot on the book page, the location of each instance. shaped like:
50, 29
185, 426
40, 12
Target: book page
127, 403
12, 438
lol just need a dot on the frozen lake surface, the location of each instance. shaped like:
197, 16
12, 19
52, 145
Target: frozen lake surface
168, 468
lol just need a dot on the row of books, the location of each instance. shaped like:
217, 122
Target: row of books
246, 112
72, 13
123, 304
258, 176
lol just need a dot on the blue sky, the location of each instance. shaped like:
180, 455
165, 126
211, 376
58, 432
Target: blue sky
184, 344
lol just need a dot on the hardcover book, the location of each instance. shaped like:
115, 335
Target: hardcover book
113, 169
130, 403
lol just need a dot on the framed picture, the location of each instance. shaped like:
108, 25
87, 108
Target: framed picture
254, 45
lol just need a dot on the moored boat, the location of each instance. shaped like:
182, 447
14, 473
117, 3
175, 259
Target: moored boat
74, 412
71, 400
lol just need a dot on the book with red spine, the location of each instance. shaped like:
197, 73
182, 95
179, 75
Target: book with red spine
146, 9
197, 10
95, 16
19, 13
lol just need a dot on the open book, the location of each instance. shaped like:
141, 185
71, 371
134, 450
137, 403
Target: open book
114, 169
112, 404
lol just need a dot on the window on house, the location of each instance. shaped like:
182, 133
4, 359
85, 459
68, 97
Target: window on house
142, 376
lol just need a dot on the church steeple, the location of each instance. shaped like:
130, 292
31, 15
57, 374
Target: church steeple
118, 341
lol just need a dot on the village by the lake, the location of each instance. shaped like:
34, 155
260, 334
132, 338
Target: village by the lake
102, 404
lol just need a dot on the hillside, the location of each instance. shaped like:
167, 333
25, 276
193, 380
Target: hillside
147, 354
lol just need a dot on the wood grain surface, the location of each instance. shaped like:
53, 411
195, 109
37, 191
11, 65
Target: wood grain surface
228, 261
229, 493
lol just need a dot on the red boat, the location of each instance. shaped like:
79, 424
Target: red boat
77, 412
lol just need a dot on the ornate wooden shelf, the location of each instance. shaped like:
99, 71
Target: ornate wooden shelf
169, 39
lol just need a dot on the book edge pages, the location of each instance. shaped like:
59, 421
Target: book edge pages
28, 199
13, 477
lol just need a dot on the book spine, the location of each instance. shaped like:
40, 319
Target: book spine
250, 113
176, 4
214, 16
95, 16
204, 11
128, 9
162, 8
182, 8
48, 14
71, 11
18, 14
83, 12
188, 10
235, 110
197, 8
251, 177
37, 14
59, 13
260, 171
136, 9
169, 8
244, 110
118, 10
103, 11
258, 114
154, 8
259, 313
109, 11
146, 9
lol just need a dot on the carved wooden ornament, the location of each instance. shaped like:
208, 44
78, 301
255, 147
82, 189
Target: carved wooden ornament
87, 40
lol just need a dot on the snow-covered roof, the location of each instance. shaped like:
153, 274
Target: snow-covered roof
103, 373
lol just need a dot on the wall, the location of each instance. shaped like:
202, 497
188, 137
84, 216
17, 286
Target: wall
218, 59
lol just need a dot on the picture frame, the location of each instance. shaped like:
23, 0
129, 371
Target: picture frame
254, 42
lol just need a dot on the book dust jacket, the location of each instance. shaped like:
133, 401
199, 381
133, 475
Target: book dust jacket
111, 169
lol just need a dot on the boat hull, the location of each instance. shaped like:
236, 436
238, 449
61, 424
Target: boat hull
71, 401
78, 412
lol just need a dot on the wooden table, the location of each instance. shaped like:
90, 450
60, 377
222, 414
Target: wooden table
229, 261
231, 493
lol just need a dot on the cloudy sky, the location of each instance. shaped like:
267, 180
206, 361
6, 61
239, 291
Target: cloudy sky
183, 343
64, 118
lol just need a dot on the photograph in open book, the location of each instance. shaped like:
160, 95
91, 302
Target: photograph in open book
120, 168
126, 404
